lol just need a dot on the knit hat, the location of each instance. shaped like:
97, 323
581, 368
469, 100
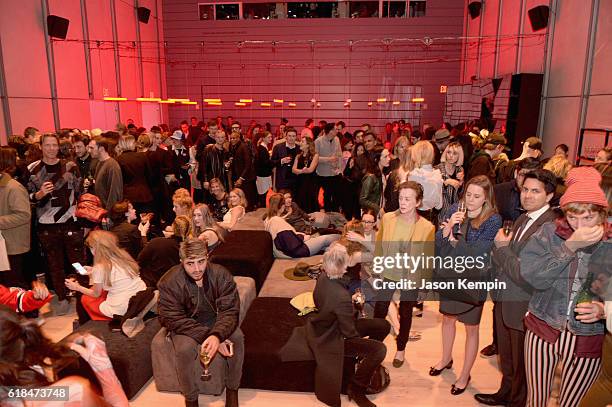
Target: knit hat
583, 187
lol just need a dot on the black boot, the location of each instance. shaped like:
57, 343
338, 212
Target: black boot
191, 403
231, 398
357, 393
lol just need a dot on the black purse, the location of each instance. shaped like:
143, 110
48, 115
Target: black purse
380, 380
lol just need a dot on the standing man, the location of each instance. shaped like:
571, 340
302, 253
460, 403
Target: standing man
214, 163
108, 181
482, 160
87, 164
180, 163
243, 168
54, 187
282, 158
537, 190
200, 307
330, 164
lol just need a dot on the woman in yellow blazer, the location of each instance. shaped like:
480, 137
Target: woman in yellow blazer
403, 231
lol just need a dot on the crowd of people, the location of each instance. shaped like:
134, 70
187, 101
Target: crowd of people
144, 208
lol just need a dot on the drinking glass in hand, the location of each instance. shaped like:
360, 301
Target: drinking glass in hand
359, 301
205, 359
461, 208
72, 277
507, 227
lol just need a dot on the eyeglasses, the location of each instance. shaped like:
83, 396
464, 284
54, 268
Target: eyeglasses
369, 221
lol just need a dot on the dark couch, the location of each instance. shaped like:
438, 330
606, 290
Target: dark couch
267, 327
131, 357
246, 253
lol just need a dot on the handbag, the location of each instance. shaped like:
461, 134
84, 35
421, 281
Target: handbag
380, 380
90, 208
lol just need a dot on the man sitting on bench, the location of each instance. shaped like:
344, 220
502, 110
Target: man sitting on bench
199, 306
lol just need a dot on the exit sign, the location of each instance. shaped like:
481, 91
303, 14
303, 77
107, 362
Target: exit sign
443, 88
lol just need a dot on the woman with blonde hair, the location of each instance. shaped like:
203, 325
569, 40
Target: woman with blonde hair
431, 179
114, 276
205, 227
451, 168
237, 203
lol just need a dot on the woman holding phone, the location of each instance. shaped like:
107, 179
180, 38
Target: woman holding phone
115, 278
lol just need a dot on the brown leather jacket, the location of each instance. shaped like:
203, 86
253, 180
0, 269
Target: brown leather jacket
178, 302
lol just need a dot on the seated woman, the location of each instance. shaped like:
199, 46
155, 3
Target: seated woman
204, 227
237, 203
333, 333
130, 238
27, 358
114, 277
218, 199
162, 253
287, 242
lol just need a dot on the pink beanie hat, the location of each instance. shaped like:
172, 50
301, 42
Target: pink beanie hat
583, 187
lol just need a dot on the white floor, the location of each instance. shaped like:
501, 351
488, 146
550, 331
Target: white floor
410, 385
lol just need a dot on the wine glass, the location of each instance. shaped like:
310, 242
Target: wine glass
73, 277
205, 359
461, 208
360, 302
507, 227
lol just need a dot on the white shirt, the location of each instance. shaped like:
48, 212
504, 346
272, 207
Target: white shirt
123, 287
533, 216
431, 181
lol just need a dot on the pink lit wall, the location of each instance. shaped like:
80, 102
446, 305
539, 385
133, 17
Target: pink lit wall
577, 92
205, 61
79, 99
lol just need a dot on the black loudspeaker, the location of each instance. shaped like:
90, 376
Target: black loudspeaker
523, 110
474, 9
143, 14
57, 26
538, 17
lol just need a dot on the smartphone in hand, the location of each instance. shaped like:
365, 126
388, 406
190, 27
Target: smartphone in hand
80, 269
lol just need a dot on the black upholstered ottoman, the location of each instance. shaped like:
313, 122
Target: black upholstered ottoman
131, 357
267, 327
246, 253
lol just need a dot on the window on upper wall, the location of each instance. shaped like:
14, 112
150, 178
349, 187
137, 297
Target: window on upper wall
363, 9
220, 11
394, 9
260, 11
417, 8
312, 10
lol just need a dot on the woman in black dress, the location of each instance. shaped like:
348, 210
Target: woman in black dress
218, 199
304, 167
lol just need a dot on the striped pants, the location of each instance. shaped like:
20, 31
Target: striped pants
541, 360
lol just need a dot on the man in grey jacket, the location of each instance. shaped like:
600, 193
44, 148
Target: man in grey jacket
537, 190
199, 306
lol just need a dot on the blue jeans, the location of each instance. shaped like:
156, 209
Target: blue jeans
316, 244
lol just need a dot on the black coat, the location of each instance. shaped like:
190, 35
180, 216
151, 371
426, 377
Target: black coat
137, 175
242, 162
508, 200
322, 338
178, 303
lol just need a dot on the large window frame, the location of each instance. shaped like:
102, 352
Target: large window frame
214, 7
342, 9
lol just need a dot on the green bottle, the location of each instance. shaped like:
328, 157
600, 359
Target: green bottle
585, 294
